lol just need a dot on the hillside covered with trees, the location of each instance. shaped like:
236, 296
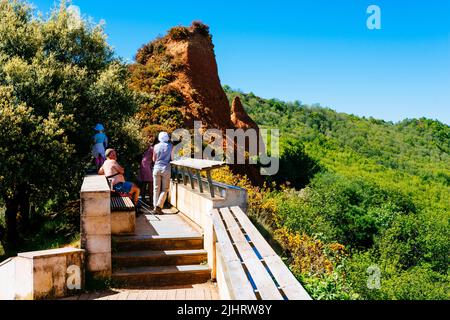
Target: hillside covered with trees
358, 194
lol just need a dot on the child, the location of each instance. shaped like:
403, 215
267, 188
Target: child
100, 145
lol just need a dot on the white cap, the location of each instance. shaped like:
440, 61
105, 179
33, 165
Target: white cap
163, 137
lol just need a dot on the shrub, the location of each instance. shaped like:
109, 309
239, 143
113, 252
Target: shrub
328, 287
296, 167
414, 239
57, 81
130, 142
169, 117
178, 33
295, 213
306, 254
418, 283
152, 131
357, 209
144, 53
225, 175
201, 28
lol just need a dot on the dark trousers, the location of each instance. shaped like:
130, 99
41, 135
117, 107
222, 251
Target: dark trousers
146, 189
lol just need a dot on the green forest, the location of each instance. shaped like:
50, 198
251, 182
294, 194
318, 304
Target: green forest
360, 208
359, 194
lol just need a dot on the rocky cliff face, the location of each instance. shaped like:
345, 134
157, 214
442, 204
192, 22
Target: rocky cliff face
179, 74
199, 82
239, 116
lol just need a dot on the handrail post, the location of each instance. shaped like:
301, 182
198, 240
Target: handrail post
199, 180
210, 183
191, 180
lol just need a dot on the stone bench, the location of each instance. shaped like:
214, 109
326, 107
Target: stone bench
123, 216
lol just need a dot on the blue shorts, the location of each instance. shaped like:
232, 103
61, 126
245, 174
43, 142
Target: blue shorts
123, 187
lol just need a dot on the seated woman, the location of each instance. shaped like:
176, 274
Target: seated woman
112, 170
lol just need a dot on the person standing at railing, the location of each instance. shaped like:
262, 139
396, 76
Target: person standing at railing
145, 176
162, 156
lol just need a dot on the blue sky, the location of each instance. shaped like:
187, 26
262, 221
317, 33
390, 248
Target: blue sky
315, 51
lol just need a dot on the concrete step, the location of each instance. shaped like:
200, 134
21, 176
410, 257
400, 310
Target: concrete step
139, 243
158, 258
140, 277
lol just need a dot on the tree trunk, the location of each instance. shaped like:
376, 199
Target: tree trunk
24, 206
2, 233
12, 207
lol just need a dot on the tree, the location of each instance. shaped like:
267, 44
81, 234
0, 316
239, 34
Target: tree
295, 165
58, 77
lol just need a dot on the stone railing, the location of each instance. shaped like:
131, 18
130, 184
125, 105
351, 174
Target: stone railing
196, 205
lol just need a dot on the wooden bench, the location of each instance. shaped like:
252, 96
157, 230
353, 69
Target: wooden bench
247, 267
119, 203
123, 215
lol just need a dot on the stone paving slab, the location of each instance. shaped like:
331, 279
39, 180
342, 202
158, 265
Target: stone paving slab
204, 291
169, 224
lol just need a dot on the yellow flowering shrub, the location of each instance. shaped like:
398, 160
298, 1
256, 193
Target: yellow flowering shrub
307, 254
225, 175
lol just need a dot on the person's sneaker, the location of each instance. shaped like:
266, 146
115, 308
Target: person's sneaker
139, 211
158, 211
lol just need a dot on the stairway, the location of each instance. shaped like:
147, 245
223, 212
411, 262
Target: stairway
159, 260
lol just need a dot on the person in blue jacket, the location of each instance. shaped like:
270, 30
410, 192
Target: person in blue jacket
162, 156
100, 145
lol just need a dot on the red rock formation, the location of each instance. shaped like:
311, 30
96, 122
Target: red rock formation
240, 118
197, 79
199, 82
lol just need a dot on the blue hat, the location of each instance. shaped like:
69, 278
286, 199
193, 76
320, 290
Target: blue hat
99, 127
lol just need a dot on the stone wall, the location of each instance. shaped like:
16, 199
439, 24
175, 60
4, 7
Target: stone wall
8, 279
96, 225
47, 274
197, 207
